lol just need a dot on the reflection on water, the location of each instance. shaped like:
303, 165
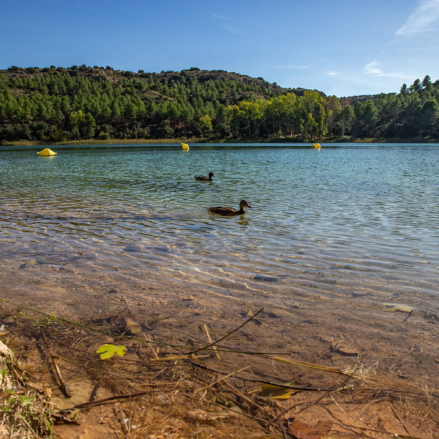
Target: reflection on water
344, 219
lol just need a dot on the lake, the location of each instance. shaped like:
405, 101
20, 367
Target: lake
344, 220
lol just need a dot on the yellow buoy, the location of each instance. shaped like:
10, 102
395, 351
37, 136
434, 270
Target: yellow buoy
185, 147
46, 152
317, 145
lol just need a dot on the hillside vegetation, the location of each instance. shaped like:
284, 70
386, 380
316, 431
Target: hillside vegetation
58, 104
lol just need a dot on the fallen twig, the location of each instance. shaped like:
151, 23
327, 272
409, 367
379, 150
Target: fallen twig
61, 418
111, 398
208, 337
64, 386
94, 391
227, 335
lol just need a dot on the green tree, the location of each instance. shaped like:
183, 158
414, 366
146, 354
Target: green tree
430, 116
76, 118
206, 122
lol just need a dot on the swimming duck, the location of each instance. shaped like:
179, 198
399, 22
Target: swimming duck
229, 211
204, 178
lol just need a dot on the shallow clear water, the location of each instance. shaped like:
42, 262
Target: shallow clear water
348, 217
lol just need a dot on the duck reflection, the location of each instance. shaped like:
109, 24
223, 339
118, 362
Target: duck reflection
243, 220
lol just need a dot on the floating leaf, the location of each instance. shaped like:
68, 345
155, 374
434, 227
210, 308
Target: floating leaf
108, 350
276, 392
132, 326
31, 262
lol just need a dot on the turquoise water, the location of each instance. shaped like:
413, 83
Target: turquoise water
351, 215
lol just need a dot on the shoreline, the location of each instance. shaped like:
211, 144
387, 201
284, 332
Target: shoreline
196, 140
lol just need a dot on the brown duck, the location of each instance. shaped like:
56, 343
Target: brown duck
204, 178
229, 211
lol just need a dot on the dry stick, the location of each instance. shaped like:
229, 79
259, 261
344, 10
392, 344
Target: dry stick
58, 372
309, 389
94, 391
149, 345
61, 418
227, 335
30, 428
221, 379
111, 398
208, 337
19, 378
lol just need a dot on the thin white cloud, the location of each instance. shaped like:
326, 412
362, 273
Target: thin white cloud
422, 20
222, 17
373, 69
332, 73
233, 29
305, 66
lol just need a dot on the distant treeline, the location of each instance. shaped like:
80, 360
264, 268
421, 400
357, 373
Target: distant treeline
57, 104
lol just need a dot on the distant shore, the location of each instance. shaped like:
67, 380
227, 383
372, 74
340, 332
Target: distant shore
214, 140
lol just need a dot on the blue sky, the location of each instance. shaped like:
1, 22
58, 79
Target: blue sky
342, 47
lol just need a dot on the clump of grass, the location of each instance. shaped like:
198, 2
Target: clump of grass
24, 414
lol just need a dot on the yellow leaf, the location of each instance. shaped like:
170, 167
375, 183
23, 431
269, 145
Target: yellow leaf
132, 325
108, 350
276, 392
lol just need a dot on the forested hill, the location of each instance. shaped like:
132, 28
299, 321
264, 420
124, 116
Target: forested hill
57, 104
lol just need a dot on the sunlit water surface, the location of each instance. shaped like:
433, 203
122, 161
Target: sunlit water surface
368, 213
